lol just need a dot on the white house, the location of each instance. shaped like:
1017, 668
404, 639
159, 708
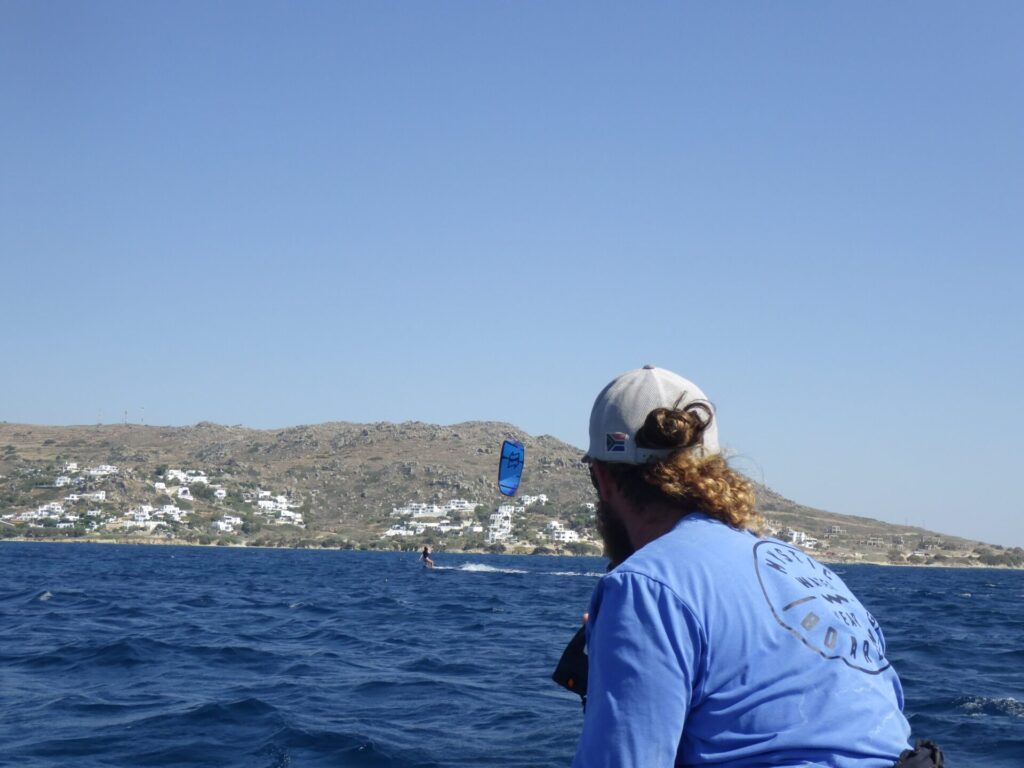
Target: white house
61, 481
95, 496
559, 533
102, 470
71, 466
501, 523
147, 525
170, 511
459, 505
159, 486
803, 540
425, 510
175, 474
220, 494
184, 493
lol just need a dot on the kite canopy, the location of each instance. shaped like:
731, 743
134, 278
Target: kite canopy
510, 468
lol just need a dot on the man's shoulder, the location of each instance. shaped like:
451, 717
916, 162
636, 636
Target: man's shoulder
698, 553
700, 538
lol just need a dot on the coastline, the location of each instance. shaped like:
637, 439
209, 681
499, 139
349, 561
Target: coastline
472, 551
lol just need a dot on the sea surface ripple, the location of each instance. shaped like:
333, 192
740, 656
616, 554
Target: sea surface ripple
189, 656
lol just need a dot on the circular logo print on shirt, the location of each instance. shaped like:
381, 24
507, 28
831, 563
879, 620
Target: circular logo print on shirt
817, 607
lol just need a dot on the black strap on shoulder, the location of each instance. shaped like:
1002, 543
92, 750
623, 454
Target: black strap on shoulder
925, 754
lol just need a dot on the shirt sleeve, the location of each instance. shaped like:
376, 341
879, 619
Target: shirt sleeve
644, 647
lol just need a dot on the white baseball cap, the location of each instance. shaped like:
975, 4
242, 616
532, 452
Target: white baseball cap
622, 408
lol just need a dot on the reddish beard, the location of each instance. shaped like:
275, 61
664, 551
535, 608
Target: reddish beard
617, 546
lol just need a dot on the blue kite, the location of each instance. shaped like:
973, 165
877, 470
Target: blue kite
510, 468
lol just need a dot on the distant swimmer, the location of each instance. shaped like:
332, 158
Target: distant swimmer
425, 557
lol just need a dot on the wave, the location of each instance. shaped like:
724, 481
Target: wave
482, 568
434, 666
984, 705
280, 659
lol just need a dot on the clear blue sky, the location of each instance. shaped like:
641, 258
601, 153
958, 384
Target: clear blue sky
283, 213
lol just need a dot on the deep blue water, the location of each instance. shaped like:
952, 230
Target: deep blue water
168, 656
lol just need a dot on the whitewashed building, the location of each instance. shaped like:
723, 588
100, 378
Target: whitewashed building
560, 534
460, 505
500, 528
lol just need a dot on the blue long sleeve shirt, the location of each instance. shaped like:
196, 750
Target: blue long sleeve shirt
710, 646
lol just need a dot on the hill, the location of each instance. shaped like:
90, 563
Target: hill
381, 485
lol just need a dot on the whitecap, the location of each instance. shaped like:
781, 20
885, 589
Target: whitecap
481, 568
44, 597
984, 705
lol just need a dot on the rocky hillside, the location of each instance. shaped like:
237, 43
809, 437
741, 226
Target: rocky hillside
345, 479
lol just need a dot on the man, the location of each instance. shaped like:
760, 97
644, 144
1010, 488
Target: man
709, 645
425, 557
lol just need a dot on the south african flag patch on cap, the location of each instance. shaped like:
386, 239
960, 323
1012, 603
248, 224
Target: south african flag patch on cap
615, 442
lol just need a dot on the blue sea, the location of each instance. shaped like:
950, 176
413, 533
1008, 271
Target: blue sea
189, 656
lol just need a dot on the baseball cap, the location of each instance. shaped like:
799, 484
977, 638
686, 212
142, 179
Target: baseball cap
622, 408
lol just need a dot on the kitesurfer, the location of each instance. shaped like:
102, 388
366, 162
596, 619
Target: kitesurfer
425, 557
707, 644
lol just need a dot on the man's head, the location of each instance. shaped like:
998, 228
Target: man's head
655, 457
622, 408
